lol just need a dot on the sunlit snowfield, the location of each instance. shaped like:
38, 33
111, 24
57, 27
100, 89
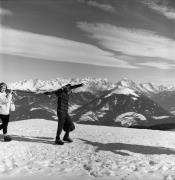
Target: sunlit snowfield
98, 152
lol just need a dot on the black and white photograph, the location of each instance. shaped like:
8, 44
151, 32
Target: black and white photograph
87, 89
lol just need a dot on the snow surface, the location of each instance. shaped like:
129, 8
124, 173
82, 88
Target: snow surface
160, 117
97, 153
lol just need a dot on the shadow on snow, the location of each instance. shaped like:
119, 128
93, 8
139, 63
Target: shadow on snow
117, 148
47, 140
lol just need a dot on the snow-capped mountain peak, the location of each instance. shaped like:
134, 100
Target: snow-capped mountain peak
93, 85
125, 91
125, 82
145, 88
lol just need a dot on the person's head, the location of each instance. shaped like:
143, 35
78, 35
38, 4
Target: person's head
67, 88
3, 87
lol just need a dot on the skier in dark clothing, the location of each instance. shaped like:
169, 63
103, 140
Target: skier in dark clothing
64, 121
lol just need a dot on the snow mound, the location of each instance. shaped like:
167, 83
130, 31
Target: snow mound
130, 119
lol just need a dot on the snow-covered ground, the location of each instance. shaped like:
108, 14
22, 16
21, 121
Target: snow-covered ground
97, 153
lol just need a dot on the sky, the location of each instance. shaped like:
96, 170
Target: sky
113, 39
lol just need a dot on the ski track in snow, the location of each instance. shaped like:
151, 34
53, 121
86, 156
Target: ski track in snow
97, 153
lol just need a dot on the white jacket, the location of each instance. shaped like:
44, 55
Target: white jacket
5, 102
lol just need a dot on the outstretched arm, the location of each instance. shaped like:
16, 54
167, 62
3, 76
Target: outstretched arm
76, 86
21, 91
49, 93
53, 92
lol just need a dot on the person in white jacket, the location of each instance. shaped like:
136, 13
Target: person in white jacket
5, 103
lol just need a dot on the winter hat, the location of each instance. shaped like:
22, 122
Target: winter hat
3, 84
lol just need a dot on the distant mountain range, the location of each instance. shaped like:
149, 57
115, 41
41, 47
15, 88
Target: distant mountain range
91, 84
124, 107
145, 88
99, 102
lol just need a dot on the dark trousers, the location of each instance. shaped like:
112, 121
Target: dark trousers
5, 121
64, 123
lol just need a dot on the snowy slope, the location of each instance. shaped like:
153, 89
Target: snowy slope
124, 91
97, 153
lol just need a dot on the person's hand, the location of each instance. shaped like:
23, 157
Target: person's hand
9, 91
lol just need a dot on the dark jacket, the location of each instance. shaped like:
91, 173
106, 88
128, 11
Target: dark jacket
63, 100
63, 96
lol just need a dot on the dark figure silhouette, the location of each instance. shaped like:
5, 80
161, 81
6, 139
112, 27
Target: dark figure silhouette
64, 121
